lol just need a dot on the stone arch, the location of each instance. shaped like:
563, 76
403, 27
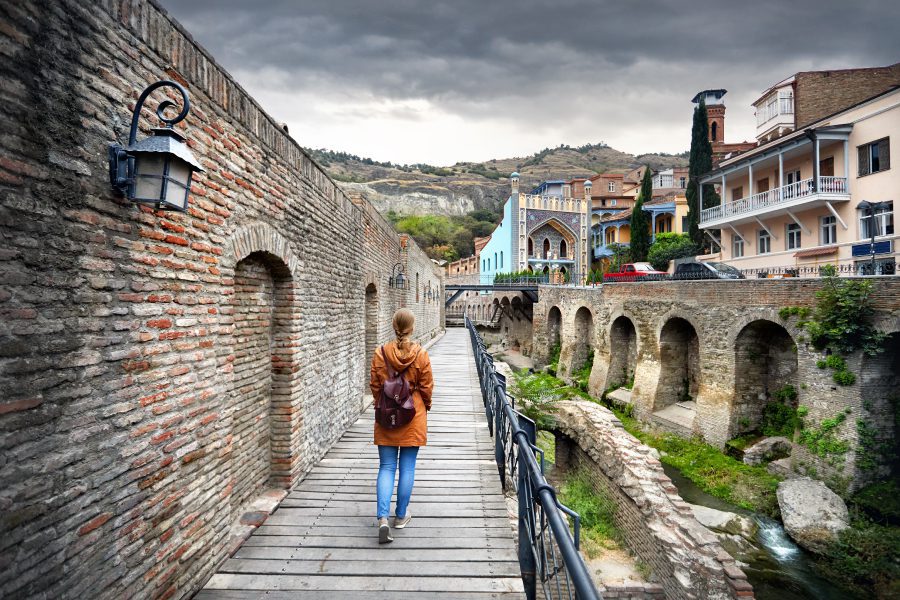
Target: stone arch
372, 324
554, 329
582, 338
679, 358
263, 377
765, 361
563, 248
260, 237
623, 351
547, 249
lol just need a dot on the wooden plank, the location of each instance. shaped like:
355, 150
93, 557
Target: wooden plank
370, 568
357, 595
390, 583
322, 540
387, 552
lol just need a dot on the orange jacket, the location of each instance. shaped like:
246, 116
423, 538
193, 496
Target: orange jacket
418, 374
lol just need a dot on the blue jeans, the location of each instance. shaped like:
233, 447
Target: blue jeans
387, 456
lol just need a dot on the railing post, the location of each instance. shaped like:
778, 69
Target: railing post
527, 564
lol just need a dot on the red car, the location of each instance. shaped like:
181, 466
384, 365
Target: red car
640, 271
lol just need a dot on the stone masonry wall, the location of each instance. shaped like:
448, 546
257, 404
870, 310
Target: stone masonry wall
719, 312
822, 93
658, 526
160, 370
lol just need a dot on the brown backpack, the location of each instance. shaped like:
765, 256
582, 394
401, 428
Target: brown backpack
396, 407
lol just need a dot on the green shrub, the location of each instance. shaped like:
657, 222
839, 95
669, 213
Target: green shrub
779, 419
669, 246
843, 377
865, 556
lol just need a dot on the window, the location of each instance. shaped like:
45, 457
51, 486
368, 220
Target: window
874, 157
884, 221
501, 260
612, 202
737, 246
827, 230
684, 225
682, 182
737, 193
563, 249
714, 132
495, 261
764, 242
793, 236
611, 186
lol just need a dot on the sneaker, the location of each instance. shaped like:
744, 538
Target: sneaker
384, 531
401, 523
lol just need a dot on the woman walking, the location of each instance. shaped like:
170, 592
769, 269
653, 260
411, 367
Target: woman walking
400, 358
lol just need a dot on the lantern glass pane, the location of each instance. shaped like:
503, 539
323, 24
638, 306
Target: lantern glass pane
148, 176
176, 194
180, 171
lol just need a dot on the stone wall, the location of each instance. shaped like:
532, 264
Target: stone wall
822, 93
684, 557
742, 353
158, 371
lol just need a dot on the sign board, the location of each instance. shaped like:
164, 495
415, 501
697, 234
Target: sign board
884, 247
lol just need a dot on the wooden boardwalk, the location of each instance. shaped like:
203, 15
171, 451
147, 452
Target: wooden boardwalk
322, 542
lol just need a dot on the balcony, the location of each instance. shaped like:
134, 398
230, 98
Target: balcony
798, 195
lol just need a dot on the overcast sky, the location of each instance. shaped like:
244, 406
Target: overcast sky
442, 81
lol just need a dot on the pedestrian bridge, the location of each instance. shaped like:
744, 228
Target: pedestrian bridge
463, 541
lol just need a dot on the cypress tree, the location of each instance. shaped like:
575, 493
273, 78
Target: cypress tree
700, 164
640, 229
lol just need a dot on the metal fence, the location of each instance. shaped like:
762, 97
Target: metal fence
548, 553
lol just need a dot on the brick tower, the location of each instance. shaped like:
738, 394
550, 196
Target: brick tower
715, 113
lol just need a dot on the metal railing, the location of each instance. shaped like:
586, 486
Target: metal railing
548, 553
774, 197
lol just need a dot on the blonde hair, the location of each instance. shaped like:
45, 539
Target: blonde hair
404, 323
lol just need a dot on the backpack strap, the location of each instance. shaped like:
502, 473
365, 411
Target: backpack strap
387, 363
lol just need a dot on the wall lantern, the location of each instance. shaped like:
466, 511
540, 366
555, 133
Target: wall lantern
398, 279
158, 169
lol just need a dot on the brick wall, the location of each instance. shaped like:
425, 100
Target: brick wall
725, 345
818, 94
657, 525
160, 370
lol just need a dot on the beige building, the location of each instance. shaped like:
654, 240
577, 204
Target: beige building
795, 201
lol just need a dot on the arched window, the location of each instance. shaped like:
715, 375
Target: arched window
495, 261
417, 287
563, 249
530, 247
546, 248
714, 132
501, 260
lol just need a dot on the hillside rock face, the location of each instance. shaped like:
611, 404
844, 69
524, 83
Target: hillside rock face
466, 186
411, 197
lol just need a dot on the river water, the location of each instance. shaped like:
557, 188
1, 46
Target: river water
786, 572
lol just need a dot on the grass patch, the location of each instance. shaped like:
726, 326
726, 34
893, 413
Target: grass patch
546, 441
717, 474
597, 511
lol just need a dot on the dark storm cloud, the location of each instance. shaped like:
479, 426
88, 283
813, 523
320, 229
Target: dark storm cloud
556, 60
482, 48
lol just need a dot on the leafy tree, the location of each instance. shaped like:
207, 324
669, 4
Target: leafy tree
700, 164
669, 246
640, 227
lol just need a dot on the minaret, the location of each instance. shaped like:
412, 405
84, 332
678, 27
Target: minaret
514, 182
587, 190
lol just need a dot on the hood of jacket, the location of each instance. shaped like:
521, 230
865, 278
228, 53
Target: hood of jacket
398, 359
